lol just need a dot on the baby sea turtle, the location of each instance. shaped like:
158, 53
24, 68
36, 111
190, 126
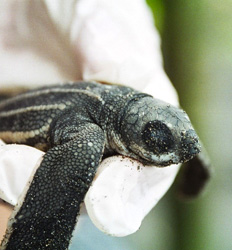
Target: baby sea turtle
78, 124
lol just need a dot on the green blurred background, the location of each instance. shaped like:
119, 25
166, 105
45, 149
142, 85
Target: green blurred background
197, 47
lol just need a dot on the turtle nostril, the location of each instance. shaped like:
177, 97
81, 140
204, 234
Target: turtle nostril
190, 145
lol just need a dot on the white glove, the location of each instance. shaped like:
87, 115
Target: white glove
108, 41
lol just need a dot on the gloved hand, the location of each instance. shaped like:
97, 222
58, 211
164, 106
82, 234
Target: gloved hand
107, 41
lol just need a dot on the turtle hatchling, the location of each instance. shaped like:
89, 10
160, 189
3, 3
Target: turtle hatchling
78, 124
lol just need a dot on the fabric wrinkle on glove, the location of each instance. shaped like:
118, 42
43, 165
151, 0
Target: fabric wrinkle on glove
113, 45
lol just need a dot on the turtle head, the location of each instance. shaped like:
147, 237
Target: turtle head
157, 133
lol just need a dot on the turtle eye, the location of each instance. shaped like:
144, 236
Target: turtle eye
158, 137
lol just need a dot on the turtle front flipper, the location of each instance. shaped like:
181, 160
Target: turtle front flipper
49, 212
194, 175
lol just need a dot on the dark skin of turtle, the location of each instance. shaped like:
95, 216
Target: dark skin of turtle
78, 124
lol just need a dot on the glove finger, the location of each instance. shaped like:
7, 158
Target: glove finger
124, 192
17, 164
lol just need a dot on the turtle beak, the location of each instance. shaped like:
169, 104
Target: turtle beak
190, 145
